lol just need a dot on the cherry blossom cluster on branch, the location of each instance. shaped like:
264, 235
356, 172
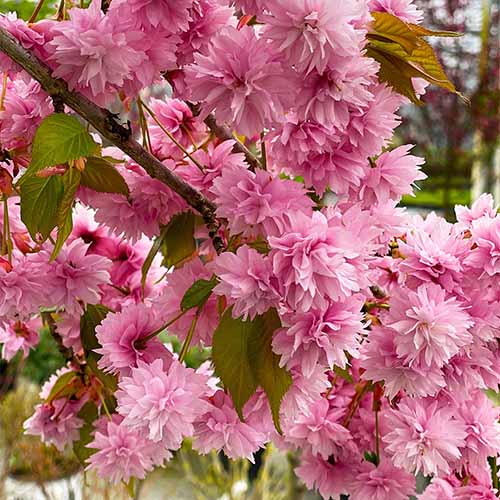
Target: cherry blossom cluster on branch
257, 224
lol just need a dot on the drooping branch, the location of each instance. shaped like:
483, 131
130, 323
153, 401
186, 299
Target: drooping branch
108, 126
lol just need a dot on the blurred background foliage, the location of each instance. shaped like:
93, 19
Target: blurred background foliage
458, 140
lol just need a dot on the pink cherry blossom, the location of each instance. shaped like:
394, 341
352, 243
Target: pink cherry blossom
482, 427
176, 117
253, 7
321, 336
56, 423
431, 328
169, 303
123, 337
424, 437
149, 205
474, 367
296, 139
320, 429
392, 176
372, 127
247, 281
474, 492
241, 79
122, 453
390, 322
28, 37
439, 489
340, 169
309, 266
381, 362
93, 53
434, 250
220, 428
404, 9
170, 15
214, 160
24, 106
483, 206
23, 287
382, 482
162, 401
208, 17
334, 96
69, 329
77, 276
257, 203
309, 31
486, 237
17, 336
330, 480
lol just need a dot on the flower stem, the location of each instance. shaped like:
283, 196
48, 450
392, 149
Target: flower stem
263, 152
105, 406
173, 139
146, 139
38, 7
189, 338
164, 327
61, 11
6, 240
377, 437
4, 91
361, 389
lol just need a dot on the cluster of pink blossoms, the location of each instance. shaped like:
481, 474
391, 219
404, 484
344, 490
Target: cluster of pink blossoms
390, 323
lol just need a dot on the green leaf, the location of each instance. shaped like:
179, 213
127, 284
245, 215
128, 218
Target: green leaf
404, 54
59, 139
100, 175
153, 252
274, 379
198, 293
389, 28
494, 396
90, 319
231, 358
40, 199
344, 373
243, 359
108, 380
423, 31
261, 245
63, 386
371, 457
88, 414
71, 182
178, 243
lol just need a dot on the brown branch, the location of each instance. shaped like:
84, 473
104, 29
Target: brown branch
225, 134
107, 125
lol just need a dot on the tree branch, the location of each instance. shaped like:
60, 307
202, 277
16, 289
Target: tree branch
107, 125
225, 134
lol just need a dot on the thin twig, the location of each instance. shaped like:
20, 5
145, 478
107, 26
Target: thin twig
38, 7
224, 134
172, 138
